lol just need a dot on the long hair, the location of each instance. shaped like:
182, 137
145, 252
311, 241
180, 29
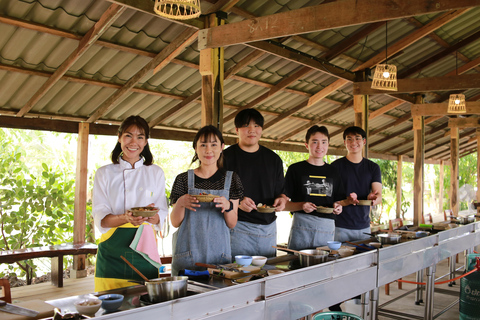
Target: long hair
205, 133
142, 125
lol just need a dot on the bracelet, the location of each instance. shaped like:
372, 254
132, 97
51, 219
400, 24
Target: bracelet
231, 206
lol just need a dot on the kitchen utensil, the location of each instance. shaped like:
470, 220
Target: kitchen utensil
358, 246
294, 251
11, 308
259, 260
334, 245
144, 211
321, 209
135, 269
112, 301
243, 260
312, 257
218, 266
388, 238
168, 288
88, 305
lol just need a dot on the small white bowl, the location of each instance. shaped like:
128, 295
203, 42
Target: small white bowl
274, 272
345, 252
375, 244
88, 306
259, 261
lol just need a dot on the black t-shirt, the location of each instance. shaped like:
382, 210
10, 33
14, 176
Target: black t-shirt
358, 178
321, 185
262, 178
215, 182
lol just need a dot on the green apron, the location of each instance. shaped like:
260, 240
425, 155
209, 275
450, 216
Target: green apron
111, 271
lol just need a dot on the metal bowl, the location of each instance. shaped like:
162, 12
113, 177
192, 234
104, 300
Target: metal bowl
388, 238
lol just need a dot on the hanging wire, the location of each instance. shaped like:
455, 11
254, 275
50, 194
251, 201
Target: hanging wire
386, 42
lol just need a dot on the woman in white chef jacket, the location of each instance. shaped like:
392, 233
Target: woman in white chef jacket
130, 181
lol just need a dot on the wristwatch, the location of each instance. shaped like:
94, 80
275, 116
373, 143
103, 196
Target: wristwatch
231, 206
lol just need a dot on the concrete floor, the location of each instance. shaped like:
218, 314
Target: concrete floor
403, 300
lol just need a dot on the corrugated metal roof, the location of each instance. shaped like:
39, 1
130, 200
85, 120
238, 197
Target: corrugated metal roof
30, 53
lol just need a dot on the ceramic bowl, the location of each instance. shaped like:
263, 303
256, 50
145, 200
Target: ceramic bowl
274, 272
111, 302
243, 260
376, 245
334, 245
345, 252
88, 306
259, 261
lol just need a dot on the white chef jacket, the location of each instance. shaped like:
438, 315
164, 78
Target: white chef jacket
119, 187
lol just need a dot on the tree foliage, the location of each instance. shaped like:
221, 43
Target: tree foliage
36, 205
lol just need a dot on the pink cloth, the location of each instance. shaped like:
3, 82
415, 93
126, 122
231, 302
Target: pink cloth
147, 245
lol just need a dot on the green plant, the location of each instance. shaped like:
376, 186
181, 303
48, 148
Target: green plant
36, 209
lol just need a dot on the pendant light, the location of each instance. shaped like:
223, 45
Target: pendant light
456, 102
385, 76
178, 10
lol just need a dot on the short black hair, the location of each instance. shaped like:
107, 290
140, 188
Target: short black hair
245, 116
354, 130
314, 129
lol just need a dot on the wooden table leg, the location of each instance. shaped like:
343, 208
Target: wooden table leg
57, 271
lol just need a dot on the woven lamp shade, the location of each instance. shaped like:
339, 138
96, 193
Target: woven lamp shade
456, 104
385, 77
178, 10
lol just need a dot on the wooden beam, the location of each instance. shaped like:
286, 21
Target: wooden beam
321, 17
420, 85
466, 67
464, 123
384, 109
299, 57
418, 171
399, 187
186, 38
99, 28
80, 206
411, 38
441, 187
454, 174
441, 109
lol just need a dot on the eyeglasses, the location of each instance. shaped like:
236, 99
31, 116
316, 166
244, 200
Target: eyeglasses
356, 139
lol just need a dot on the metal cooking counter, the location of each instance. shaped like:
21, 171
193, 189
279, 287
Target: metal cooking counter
298, 293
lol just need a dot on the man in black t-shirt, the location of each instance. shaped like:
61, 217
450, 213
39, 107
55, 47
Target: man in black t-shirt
261, 172
361, 176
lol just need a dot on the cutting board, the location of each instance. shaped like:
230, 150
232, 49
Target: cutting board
45, 309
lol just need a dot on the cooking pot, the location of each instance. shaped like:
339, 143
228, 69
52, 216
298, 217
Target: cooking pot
165, 289
388, 238
312, 257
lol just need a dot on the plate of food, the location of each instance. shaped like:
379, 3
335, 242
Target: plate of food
263, 208
144, 211
364, 202
321, 209
204, 197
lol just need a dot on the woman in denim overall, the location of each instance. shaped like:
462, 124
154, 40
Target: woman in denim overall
203, 233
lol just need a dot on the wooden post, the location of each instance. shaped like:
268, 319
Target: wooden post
399, 186
454, 150
360, 106
441, 187
418, 155
212, 70
478, 168
80, 211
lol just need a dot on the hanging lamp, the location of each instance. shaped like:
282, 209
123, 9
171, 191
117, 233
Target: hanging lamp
456, 102
385, 76
178, 10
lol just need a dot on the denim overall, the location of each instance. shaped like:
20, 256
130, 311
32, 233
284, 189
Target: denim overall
203, 235
309, 231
